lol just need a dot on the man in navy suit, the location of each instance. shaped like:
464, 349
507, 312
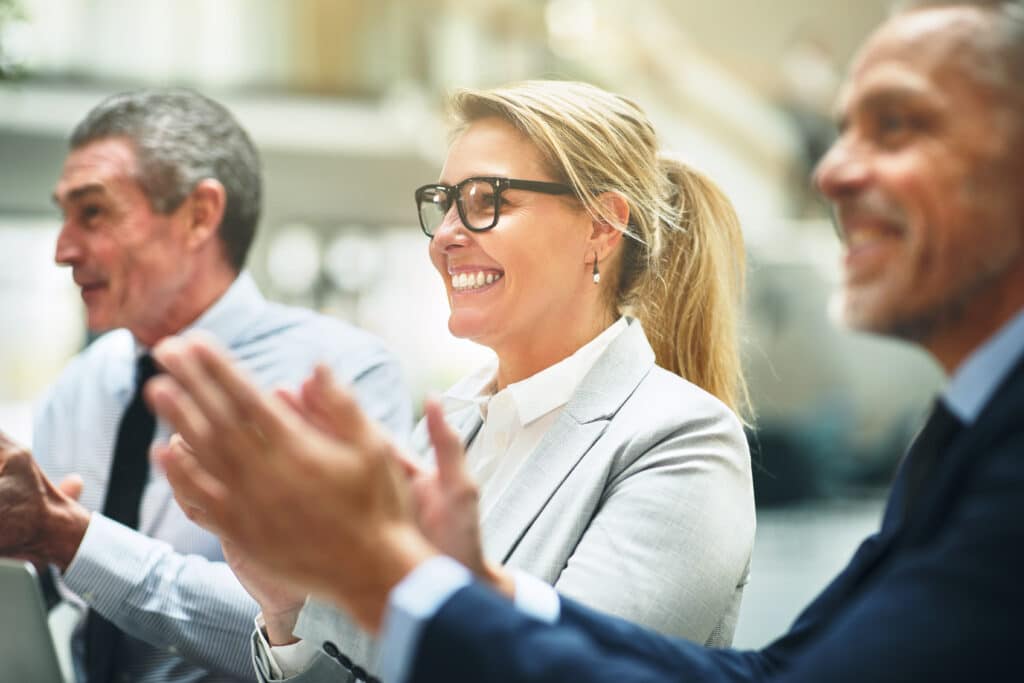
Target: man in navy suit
927, 182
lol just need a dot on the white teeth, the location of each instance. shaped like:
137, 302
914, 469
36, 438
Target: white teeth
464, 281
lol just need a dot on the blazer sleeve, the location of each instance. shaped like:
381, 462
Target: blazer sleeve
677, 524
479, 636
944, 612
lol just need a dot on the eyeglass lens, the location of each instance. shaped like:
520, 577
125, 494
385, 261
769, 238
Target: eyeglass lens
476, 200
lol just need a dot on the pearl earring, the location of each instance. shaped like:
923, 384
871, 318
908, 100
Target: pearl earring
597, 275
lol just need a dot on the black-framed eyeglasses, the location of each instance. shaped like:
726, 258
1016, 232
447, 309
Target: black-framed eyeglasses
478, 200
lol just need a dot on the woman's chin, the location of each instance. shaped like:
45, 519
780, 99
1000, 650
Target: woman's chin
472, 325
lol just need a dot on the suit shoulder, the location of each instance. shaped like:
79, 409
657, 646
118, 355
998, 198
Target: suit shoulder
671, 398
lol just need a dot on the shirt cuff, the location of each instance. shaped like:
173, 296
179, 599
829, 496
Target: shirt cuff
109, 563
535, 598
411, 604
283, 661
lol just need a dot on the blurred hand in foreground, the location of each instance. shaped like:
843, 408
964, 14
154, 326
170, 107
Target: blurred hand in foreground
324, 505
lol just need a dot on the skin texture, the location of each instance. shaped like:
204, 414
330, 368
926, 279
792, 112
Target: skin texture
926, 183
151, 273
545, 306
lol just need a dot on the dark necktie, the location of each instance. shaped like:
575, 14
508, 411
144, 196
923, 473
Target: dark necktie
923, 456
128, 474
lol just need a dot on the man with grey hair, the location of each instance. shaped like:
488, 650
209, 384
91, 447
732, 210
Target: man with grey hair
927, 182
160, 195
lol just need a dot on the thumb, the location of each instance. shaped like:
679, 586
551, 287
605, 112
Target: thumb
71, 486
447, 445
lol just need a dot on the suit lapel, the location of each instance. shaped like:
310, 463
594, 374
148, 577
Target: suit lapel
965, 451
602, 392
1001, 413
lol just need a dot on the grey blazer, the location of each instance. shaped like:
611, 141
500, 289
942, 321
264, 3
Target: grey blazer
638, 502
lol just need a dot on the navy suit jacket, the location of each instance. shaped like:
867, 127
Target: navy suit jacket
936, 596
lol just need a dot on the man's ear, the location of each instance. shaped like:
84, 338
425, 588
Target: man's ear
205, 208
607, 230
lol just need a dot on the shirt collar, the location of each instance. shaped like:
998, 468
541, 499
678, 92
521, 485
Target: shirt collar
538, 394
978, 377
473, 389
554, 386
227, 318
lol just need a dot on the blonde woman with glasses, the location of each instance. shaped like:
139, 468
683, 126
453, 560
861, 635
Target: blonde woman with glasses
604, 437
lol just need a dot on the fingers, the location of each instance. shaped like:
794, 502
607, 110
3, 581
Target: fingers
71, 486
171, 402
332, 408
409, 467
448, 449
201, 496
179, 359
245, 399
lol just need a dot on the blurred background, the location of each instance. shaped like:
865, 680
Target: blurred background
343, 97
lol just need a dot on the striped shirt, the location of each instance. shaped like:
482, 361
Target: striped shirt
166, 585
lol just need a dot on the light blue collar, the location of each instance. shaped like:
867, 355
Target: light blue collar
978, 377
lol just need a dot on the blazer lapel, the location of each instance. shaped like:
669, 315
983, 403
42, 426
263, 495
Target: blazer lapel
964, 451
602, 392
1002, 412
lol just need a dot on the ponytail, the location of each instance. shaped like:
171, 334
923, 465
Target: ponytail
688, 299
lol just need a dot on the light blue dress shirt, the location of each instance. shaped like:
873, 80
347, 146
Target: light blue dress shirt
166, 584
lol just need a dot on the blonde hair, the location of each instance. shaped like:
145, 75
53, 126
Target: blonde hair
681, 273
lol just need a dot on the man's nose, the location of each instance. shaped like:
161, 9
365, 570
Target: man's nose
68, 250
842, 171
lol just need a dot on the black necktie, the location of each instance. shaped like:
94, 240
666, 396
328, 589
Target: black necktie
925, 451
128, 474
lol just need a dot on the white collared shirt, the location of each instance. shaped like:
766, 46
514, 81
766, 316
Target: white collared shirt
516, 418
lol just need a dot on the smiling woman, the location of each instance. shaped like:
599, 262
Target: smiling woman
608, 465
565, 241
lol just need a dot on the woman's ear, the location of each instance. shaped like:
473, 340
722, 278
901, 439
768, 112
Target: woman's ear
607, 230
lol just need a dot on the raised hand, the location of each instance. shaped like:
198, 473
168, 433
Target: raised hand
332, 516
279, 601
446, 497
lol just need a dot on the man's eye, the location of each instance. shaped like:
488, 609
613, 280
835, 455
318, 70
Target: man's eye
888, 123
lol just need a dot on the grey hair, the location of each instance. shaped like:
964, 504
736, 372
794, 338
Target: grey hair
182, 138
